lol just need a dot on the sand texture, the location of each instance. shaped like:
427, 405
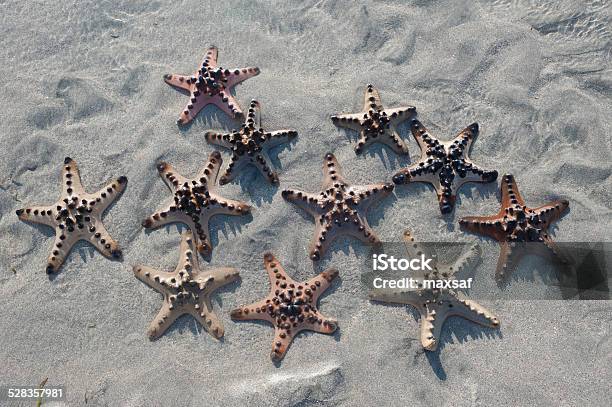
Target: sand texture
84, 79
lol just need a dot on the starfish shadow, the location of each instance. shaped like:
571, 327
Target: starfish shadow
211, 115
389, 158
258, 188
222, 223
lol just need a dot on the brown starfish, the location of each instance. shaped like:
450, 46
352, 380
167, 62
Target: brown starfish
76, 216
434, 304
375, 123
516, 224
210, 84
339, 209
444, 164
290, 306
195, 201
186, 290
249, 145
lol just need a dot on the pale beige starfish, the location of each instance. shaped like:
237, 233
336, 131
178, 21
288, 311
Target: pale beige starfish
290, 306
436, 305
340, 209
195, 201
376, 124
210, 84
186, 290
76, 216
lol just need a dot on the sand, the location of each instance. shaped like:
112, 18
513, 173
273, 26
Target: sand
85, 80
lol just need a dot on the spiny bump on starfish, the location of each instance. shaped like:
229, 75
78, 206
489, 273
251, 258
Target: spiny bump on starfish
195, 201
210, 84
186, 290
250, 145
76, 216
376, 124
339, 208
444, 164
517, 225
290, 306
436, 305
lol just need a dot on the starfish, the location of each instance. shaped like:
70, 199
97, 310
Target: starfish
195, 201
376, 124
210, 84
290, 306
444, 164
249, 145
515, 224
339, 209
436, 305
76, 216
186, 290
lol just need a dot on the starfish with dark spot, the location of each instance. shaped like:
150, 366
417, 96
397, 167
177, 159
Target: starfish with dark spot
376, 124
195, 201
339, 209
290, 306
77, 216
211, 84
186, 290
444, 164
518, 228
250, 145
435, 304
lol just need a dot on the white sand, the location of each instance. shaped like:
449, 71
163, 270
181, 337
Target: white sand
85, 80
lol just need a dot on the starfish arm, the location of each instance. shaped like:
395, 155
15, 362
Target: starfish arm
324, 235
187, 261
396, 296
420, 134
510, 192
281, 343
369, 194
219, 139
179, 81
305, 200
231, 207
332, 172
352, 121
209, 320
468, 258
431, 325
253, 116
171, 178
221, 276
166, 216
483, 225
240, 75
256, 311
321, 283
195, 105
152, 277
210, 58
414, 249
371, 99
391, 138
551, 212
421, 171
466, 137
320, 324
62, 246
237, 163
554, 248
474, 312
163, 320
110, 193
102, 240
399, 114
211, 170
279, 137
473, 173
71, 178
262, 163
43, 215
276, 272
226, 102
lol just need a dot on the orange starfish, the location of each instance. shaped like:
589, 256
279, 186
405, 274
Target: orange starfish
290, 306
515, 223
211, 84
